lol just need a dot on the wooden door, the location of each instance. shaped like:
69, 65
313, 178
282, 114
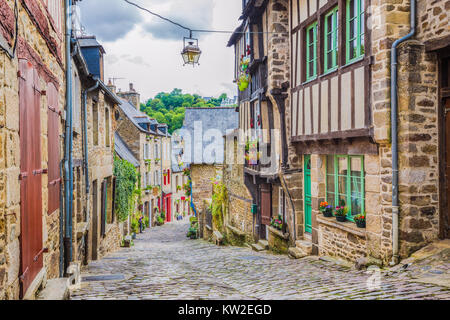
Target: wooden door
308, 206
31, 176
266, 208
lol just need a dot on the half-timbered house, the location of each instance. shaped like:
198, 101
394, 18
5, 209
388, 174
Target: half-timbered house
341, 127
262, 55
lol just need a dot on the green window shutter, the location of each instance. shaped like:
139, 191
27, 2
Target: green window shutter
354, 30
331, 40
311, 52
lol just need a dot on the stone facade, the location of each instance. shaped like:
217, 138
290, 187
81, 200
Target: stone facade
239, 214
419, 140
39, 42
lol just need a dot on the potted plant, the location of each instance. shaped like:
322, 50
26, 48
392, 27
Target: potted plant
277, 223
341, 214
326, 209
360, 220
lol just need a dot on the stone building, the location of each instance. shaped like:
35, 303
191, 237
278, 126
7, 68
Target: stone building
32, 95
203, 134
340, 127
103, 233
135, 130
262, 53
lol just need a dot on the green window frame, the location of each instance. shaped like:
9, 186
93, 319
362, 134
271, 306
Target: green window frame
346, 187
331, 40
355, 29
311, 52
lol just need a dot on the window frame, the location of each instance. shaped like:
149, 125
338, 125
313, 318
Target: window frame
334, 13
359, 34
349, 177
314, 26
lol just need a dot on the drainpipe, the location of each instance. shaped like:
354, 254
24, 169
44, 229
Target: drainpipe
394, 124
68, 174
86, 151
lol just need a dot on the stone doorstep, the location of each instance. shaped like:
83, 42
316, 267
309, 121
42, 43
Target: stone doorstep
38, 282
305, 246
296, 253
256, 247
264, 244
56, 289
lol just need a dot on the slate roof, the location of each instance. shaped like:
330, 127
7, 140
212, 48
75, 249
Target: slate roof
137, 117
90, 42
123, 151
222, 119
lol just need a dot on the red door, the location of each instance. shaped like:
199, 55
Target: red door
31, 176
168, 206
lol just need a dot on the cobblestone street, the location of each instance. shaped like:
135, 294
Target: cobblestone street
164, 264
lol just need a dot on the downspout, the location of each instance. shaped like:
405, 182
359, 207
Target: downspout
394, 124
86, 152
68, 183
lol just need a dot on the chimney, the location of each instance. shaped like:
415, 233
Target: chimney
111, 86
131, 96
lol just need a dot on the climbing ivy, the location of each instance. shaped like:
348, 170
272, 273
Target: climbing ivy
219, 203
126, 179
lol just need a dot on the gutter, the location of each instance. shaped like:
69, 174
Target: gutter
68, 172
394, 124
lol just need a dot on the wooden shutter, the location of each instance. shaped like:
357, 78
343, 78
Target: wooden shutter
54, 178
103, 211
31, 252
266, 204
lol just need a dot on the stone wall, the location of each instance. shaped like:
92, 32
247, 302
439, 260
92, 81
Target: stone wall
340, 243
240, 201
101, 163
201, 176
39, 43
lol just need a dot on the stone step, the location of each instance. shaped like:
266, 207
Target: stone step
264, 244
305, 246
256, 247
296, 253
56, 289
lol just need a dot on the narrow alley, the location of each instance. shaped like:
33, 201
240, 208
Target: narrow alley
164, 264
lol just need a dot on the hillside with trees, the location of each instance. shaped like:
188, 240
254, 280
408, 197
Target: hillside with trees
170, 107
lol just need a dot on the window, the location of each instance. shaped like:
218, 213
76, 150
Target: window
107, 129
331, 40
355, 30
311, 52
281, 202
95, 123
345, 183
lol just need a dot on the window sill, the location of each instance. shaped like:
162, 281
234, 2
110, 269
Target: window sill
332, 70
350, 62
310, 80
349, 227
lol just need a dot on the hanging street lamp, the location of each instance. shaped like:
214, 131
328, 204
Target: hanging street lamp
191, 52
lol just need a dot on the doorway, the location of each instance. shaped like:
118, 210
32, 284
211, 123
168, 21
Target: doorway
266, 210
94, 220
445, 145
308, 203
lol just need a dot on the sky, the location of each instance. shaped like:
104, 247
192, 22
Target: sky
146, 51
